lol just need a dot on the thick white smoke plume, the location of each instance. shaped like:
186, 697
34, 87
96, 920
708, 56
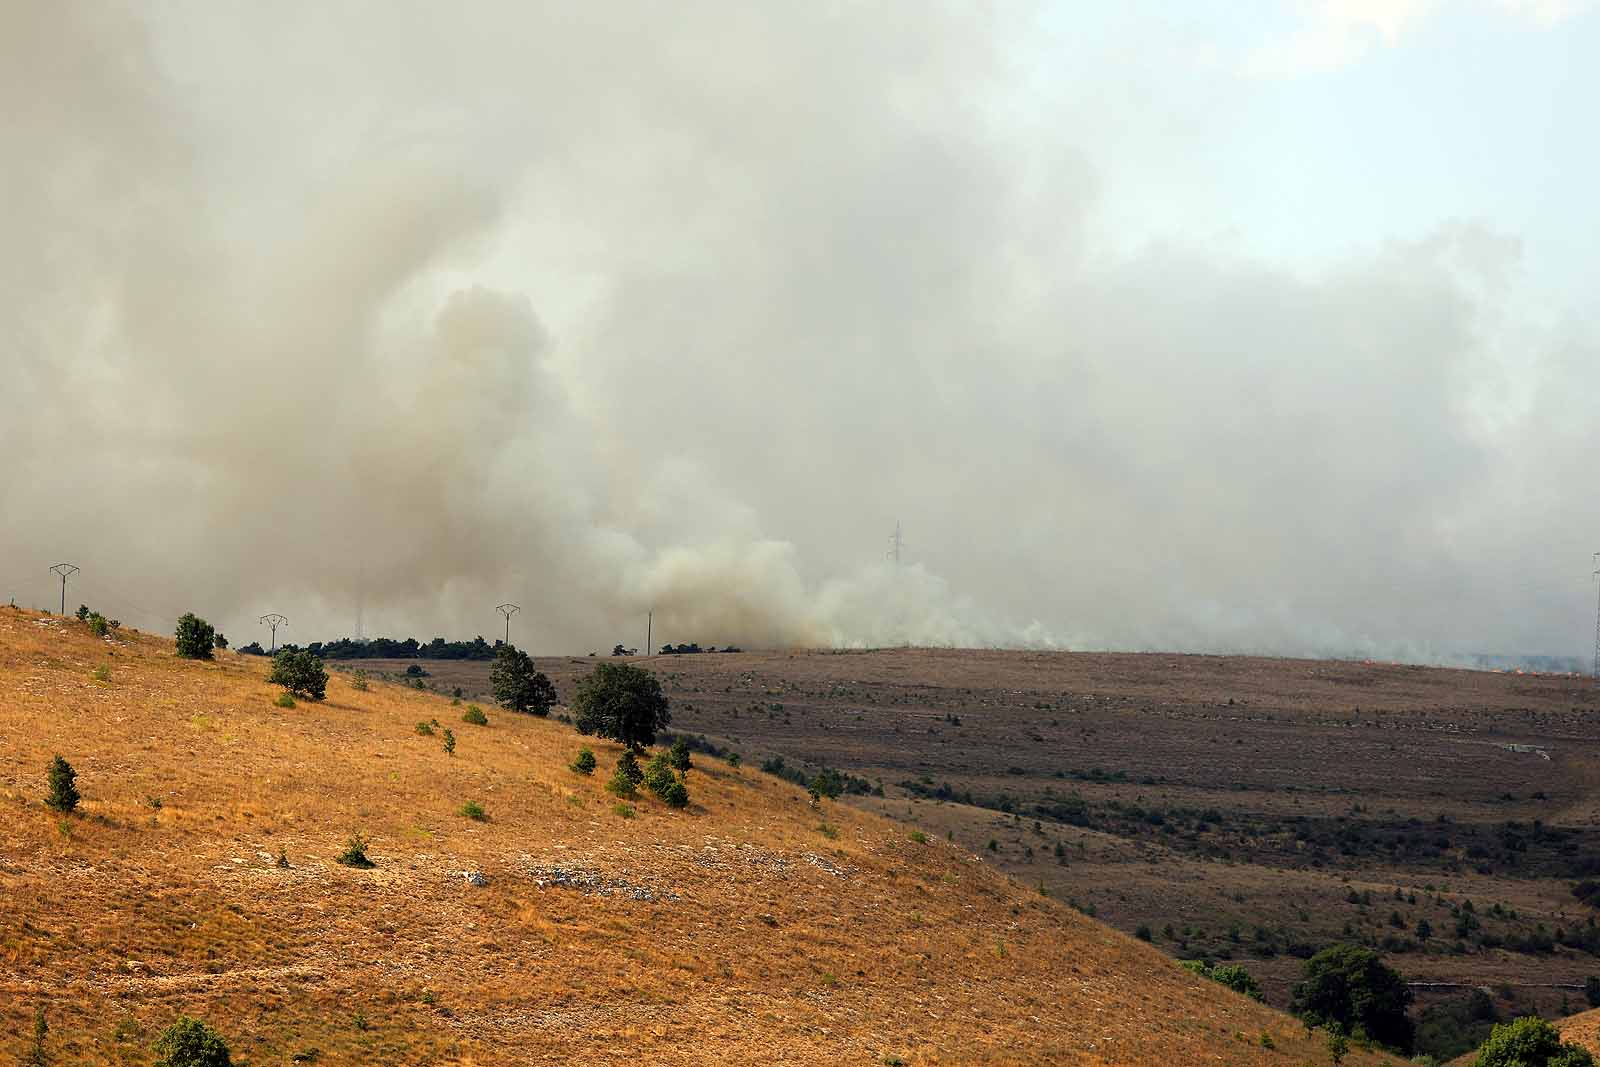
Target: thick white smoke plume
408, 310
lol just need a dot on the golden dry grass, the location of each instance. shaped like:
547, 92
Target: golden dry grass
766, 939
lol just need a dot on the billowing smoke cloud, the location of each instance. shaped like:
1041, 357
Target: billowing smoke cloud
679, 308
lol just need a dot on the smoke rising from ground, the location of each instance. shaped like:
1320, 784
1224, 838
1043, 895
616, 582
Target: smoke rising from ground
680, 308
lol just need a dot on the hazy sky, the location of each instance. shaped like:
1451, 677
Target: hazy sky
1208, 326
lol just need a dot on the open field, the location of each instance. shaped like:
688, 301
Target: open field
750, 927
1244, 808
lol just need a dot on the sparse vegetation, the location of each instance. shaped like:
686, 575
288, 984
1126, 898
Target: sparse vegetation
196, 637
474, 811
284, 700
358, 681
474, 715
449, 743
61, 781
425, 729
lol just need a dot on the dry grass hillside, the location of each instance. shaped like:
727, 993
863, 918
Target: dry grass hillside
748, 928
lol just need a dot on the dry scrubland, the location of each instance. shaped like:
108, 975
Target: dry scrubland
1240, 801
747, 928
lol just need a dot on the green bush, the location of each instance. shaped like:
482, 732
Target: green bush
355, 853
475, 716
191, 1043
1530, 1042
358, 681
300, 672
196, 637
474, 811
284, 700
623, 703
450, 742
625, 780
425, 729
585, 763
677, 794
518, 685
98, 625
658, 775
678, 755
63, 795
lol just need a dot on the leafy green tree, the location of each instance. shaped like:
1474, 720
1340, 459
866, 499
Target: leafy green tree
518, 685
300, 671
625, 780
196, 637
676, 795
623, 703
679, 755
191, 1043
1530, 1042
63, 794
1347, 987
585, 763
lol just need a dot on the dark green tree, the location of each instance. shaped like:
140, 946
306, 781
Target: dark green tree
191, 1043
1530, 1042
623, 703
300, 672
1237, 979
518, 685
196, 637
63, 794
679, 755
220, 640
1349, 987
658, 776
585, 762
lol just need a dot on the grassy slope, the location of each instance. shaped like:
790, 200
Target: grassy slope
767, 941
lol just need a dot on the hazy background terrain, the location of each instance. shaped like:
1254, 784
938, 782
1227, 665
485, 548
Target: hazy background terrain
1268, 327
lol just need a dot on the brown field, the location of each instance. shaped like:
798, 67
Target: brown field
750, 927
1239, 801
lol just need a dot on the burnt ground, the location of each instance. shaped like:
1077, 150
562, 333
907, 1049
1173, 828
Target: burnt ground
1235, 808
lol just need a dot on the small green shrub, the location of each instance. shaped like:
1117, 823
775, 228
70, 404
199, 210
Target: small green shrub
658, 775
919, 837
1266, 1041
474, 811
62, 779
450, 742
98, 625
829, 831
678, 755
191, 1043
585, 763
102, 673
475, 716
677, 794
284, 700
425, 729
624, 811
355, 853
358, 682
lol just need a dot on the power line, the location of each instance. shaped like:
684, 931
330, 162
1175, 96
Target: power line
896, 543
274, 620
507, 610
65, 570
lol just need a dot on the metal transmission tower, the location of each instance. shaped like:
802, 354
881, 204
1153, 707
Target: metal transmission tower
65, 570
274, 620
507, 610
896, 543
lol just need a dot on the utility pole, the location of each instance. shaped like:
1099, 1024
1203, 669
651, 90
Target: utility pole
649, 630
64, 569
896, 543
1597, 619
274, 620
507, 610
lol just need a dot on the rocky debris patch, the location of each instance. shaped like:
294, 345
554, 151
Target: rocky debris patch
474, 878
591, 881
